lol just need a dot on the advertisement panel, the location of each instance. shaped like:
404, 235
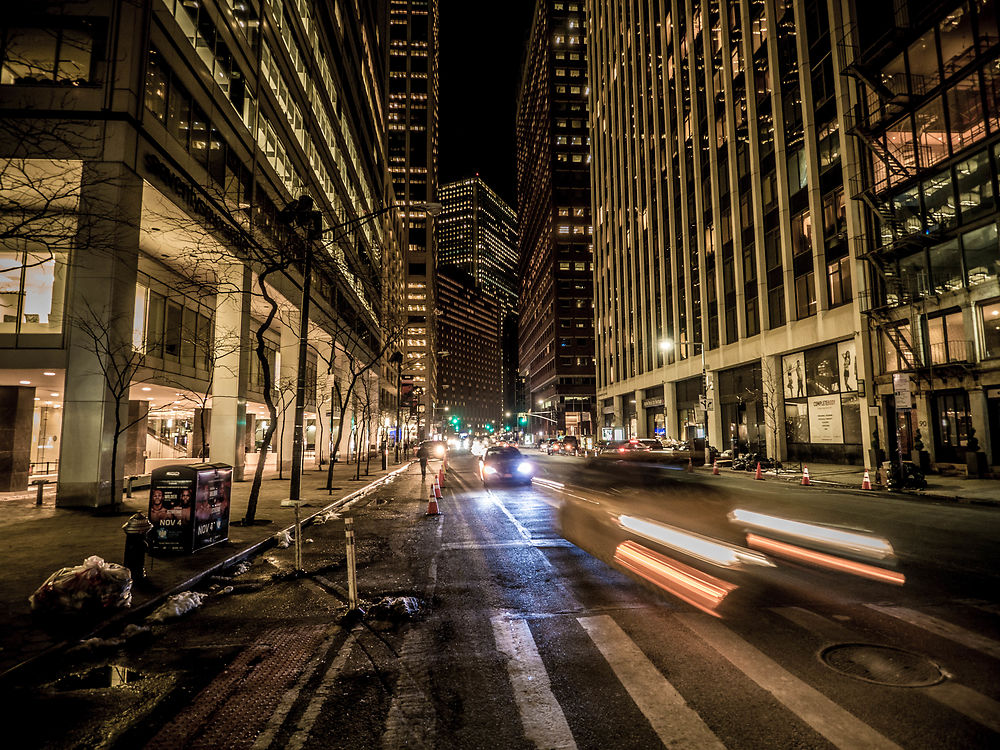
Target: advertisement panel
826, 424
189, 506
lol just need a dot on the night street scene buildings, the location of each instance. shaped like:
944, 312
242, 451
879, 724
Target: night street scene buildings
795, 227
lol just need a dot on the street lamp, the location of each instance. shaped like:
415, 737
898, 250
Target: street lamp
300, 212
666, 345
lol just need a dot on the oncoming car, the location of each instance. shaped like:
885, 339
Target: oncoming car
505, 465
435, 448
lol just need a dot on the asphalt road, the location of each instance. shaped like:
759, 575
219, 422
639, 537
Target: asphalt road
523, 639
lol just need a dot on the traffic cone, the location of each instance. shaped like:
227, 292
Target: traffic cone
759, 474
437, 491
441, 476
867, 483
690, 466
715, 467
432, 505
805, 476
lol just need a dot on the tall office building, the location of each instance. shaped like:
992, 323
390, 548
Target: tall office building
413, 155
477, 234
469, 327
148, 151
556, 337
796, 225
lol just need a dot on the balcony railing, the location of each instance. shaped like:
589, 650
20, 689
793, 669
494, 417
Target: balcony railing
951, 352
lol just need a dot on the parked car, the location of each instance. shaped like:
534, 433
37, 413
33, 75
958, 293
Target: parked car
549, 446
569, 445
632, 446
652, 443
505, 464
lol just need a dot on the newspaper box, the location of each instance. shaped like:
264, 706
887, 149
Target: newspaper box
189, 506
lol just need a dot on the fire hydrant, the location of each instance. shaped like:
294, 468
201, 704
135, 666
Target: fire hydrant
136, 529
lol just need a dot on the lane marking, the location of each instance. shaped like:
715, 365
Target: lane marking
675, 723
541, 543
543, 720
517, 524
942, 628
322, 692
964, 700
840, 727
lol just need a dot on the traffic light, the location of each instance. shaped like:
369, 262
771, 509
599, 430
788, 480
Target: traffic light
523, 419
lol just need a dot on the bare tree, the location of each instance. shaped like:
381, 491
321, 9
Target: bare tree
770, 397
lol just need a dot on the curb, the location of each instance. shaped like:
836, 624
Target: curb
122, 618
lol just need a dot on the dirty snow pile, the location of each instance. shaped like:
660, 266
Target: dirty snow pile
327, 515
283, 538
177, 605
394, 608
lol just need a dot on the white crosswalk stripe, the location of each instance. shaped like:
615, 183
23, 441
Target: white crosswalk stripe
840, 727
675, 723
939, 627
976, 706
544, 722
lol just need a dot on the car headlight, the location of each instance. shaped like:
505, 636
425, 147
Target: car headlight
525, 467
440, 451
489, 470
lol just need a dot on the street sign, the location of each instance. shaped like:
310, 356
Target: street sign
901, 390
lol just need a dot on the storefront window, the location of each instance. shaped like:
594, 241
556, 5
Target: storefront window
851, 406
32, 290
982, 254
952, 419
989, 315
797, 422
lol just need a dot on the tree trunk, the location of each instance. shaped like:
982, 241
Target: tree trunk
261, 351
115, 497
334, 444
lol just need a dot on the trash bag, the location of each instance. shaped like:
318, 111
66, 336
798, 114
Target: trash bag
95, 584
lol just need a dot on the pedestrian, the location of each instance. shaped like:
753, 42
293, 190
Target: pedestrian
423, 454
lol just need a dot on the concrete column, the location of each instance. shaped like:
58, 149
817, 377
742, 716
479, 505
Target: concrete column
670, 410
250, 434
285, 394
135, 438
716, 435
102, 300
640, 416
344, 418
17, 406
980, 420
232, 365
324, 403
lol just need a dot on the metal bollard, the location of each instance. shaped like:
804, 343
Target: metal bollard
136, 529
41, 488
128, 485
352, 565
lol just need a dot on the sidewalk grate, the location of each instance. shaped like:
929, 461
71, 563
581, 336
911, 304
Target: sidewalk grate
233, 709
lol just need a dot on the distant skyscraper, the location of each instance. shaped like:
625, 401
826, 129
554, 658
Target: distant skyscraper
470, 372
553, 194
477, 233
413, 150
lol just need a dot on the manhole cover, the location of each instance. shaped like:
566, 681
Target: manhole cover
883, 665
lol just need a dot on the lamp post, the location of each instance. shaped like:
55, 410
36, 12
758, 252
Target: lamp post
666, 345
300, 212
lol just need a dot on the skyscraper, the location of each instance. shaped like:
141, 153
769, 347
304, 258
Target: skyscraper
796, 225
413, 155
477, 234
556, 337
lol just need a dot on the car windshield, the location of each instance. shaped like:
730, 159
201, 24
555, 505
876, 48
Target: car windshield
503, 452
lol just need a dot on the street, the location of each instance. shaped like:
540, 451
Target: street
522, 639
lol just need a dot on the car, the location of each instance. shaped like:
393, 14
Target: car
435, 448
505, 464
631, 446
652, 443
548, 445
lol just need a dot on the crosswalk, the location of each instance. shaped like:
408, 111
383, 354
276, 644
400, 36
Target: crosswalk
677, 724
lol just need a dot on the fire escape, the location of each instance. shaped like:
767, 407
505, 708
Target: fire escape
884, 98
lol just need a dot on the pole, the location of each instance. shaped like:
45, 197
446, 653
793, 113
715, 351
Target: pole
298, 540
399, 402
298, 439
352, 564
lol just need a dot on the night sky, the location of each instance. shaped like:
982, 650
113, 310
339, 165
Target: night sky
482, 47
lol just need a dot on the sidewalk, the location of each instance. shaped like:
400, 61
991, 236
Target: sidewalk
939, 488
37, 541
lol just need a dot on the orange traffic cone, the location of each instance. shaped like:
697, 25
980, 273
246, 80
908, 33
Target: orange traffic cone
432, 505
690, 466
715, 467
805, 476
441, 476
437, 491
867, 483
759, 474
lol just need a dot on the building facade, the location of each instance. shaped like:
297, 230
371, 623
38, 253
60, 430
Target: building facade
477, 234
152, 281
767, 227
471, 394
413, 156
556, 336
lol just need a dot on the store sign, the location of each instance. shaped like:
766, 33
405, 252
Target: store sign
901, 390
826, 423
648, 403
